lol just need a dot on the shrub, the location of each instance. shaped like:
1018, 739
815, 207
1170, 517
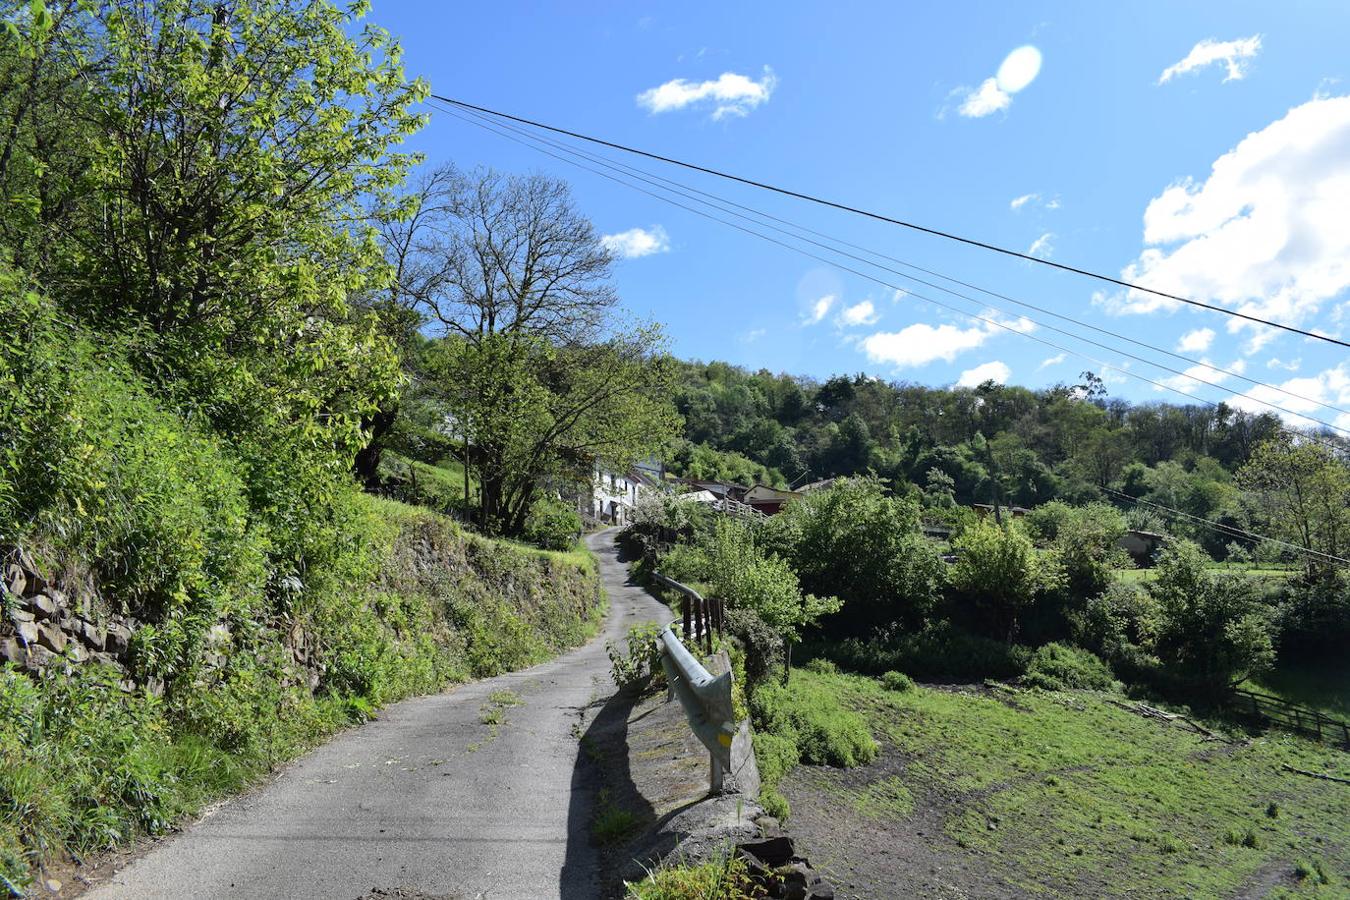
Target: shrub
808, 713
897, 681
763, 646
998, 574
1213, 631
1058, 667
938, 651
854, 541
635, 668
552, 525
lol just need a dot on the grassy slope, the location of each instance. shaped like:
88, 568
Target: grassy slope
85, 767
1087, 799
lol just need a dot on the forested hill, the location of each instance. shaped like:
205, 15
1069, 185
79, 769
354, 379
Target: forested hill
1070, 441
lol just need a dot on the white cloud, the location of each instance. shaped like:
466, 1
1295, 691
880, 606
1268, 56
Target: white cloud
985, 100
819, 310
636, 242
1052, 203
995, 371
1196, 341
1204, 371
1019, 69
1043, 246
1019, 202
863, 313
730, 94
1290, 366
921, 344
1052, 361
1328, 386
1264, 234
753, 335
1233, 54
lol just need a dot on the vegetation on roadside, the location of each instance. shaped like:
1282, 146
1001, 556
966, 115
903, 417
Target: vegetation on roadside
724, 877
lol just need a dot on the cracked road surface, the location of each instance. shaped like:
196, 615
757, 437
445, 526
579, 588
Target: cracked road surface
428, 798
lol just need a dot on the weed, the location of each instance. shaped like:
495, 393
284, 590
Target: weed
612, 824
897, 681
722, 878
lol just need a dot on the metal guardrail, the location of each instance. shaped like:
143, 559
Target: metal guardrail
706, 698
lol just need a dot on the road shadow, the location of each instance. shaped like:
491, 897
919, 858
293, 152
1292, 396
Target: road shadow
606, 810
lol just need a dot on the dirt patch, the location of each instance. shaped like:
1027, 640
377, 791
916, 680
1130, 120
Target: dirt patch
878, 850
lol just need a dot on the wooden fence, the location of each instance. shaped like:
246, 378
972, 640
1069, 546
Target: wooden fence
1270, 710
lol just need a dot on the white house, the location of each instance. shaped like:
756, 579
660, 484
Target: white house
613, 495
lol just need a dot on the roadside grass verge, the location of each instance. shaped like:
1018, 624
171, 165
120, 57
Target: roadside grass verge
1065, 794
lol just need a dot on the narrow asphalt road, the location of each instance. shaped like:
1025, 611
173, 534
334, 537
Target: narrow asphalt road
426, 798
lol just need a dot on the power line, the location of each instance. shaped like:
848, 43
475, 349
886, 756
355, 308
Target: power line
991, 321
891, 220
721, 203
1229, 530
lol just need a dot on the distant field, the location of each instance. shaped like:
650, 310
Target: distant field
1141, 575
996, 793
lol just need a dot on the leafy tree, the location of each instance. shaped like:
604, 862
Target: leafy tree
1000, 574
747, 577
1302, 493
1212, 630
532, 410
854, 540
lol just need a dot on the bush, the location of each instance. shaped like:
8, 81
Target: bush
854, 541
763, 646
635, 668
552, 525
998, 574
939, 651
1213, 631
897, 681
809, 715
1058, 667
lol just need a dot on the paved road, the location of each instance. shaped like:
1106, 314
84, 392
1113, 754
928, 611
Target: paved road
425, 798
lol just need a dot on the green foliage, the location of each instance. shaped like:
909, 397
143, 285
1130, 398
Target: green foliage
642, 659
806, 713
552, 525
857, 542
1059, 667
1212, 631
748, 578
1085, 541
897, 681
1000, 574
938, 651
722, 878
1303, 495
88, 766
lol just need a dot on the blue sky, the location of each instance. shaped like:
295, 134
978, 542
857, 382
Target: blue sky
1203, 148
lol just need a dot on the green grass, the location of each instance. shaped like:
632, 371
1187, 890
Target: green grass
1255, 570
1068, 795
1322, 684
723, 878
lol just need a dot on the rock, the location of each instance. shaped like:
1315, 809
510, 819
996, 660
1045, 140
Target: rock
16, 579
44, 606
38, 658
17, 615
28, 632
219, 634
768, 823
51, 637
13, 651
118, 640
154, 686
822, 891
76, 653
774, 851
93, 636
